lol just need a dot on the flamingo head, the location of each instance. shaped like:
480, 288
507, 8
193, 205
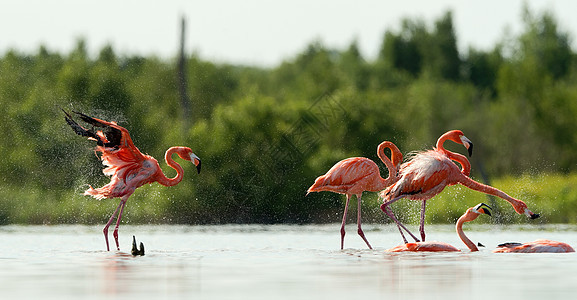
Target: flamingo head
482, 208
521, 208
196, 161
458, 137
531, 214
473, 212
186, 154
468, 144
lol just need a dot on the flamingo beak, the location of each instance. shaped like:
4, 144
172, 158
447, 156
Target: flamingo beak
485, 211
483, 208
531, 214
468, 144
196, 161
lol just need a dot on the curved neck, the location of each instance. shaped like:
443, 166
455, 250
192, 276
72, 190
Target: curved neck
461, 159
441, 141
467, 217
161, 178
393, 163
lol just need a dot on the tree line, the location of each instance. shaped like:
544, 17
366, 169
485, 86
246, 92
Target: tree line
265, 134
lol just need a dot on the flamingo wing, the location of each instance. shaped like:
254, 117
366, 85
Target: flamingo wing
538, 246
423, 177
423, 247
111, 135
123, 161
346, 177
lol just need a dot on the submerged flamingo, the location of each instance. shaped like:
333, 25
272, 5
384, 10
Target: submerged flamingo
470, 215
353, 176
127, 166
135, 250
427, 173
538, 246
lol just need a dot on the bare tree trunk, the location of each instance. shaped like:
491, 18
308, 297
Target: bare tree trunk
182, 82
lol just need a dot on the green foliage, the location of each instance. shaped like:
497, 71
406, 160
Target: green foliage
265, 134
418, 50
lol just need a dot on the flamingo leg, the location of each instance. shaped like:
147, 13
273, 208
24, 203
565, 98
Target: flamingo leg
387, 210
401, 231
359, 229
389, 213
344, 221
115, 233
422, 225
105, 230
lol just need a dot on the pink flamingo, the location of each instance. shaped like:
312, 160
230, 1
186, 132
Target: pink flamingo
127, 166
538, 246
470, 215
427, 173
353, 176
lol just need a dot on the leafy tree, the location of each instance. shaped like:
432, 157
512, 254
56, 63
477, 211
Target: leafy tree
481, 68
402, 51
441, 57
544, 43
417, 50
265, 134
355, 68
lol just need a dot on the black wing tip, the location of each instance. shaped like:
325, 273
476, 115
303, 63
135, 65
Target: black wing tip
76, 127
90, 120
509, 244
113, 135
68, 117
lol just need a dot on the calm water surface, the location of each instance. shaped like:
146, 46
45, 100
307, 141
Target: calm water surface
276, 262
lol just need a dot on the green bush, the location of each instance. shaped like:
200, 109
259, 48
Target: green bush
265, 134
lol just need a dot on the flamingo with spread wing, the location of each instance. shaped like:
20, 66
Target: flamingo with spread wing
125, 164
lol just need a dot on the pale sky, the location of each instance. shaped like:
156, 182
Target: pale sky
254, 32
